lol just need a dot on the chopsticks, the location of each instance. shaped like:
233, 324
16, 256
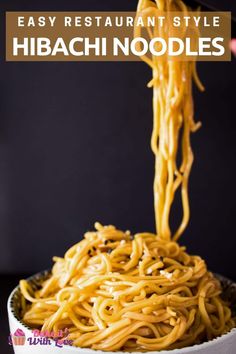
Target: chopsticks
206, 5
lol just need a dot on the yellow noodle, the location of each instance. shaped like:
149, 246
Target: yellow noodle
117, 291
157, 308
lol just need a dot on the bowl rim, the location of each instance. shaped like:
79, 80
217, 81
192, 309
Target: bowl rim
194, 348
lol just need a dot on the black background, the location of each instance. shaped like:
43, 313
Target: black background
74, 149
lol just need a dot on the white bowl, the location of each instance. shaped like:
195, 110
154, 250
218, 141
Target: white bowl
225, 344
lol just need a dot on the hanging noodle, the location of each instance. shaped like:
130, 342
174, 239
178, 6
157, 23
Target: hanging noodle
117, 291
172, 115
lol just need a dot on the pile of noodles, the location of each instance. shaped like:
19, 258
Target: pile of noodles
117, 291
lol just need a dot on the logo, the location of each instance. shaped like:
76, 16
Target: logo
40, 338
18, 338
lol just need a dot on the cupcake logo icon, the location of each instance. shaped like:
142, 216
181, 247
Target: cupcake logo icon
18, 338
60, 338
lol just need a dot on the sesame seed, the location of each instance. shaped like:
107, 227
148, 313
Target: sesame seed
166, 274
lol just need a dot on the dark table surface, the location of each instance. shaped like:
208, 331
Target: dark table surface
8, 283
